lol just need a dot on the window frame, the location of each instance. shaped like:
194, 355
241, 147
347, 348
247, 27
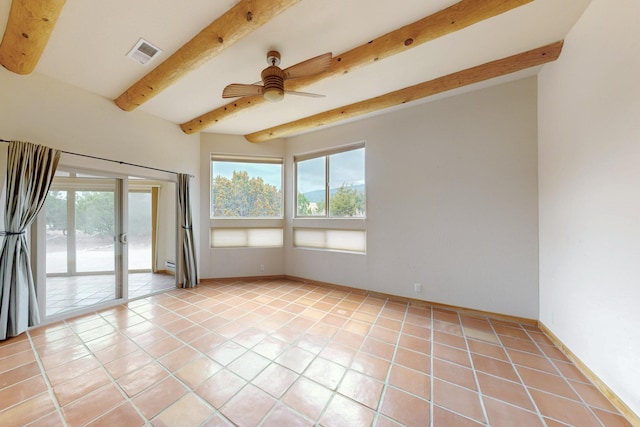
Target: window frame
246, 223
327, 184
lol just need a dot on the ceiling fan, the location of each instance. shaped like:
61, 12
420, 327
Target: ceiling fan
273, 78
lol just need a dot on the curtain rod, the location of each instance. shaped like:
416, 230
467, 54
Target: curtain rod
113, 161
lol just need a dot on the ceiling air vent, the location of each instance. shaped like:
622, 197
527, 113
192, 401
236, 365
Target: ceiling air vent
143, 52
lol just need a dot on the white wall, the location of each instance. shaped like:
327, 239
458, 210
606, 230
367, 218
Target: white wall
589, 126
451, 202
45, 111
233, 262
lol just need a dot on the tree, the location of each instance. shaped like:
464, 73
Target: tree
242, 196
347, 201
95, 213
304, 208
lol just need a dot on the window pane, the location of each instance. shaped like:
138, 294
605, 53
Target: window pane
246, 189
139, 235
311, 184
56, 234
95, 231
346, 184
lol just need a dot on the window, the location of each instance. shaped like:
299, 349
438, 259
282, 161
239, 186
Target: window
246, 187
246, 202
342, 195
330, 200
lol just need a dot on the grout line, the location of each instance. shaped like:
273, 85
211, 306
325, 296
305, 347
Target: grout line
473, 370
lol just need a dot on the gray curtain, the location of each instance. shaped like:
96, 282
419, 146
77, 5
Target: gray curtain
190, 270
30, 170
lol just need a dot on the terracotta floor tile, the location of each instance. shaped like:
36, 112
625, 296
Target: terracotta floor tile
270, 347
494, 367
489, 350
450, 340
412, 381
28, 410
295, 359
188, 411
338, 353
64, 356
610, 419
361, 388
454, 373
92, 405
451, 354
511, 392
115, 351
531, 361
141, 379
248, 365
282, 415
592, 396
307, 397
179, 358
160, 348
248, 407
370, 365
128, 363
325, 372
565, 410
458, 399
78, 387
378, 348
123, 415
547, 382
71, 370
343, 412
21, 391
414, 360
227, 352
155, 399
18, 374
444, 417
275, 380
218, 389
285, 353
405, 408
502, 414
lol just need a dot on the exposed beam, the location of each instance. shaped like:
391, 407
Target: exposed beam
28, 30
454, 18
456, 80
243, 18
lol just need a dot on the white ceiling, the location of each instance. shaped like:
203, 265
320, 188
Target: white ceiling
89, 44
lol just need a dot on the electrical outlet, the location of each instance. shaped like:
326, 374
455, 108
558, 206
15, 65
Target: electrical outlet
261, 267
417, 287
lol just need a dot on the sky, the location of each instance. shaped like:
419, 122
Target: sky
345, 168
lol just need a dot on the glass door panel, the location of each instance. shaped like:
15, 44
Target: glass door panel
83, 244
139, 235
56, 232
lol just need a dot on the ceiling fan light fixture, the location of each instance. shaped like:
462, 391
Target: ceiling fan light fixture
273, 94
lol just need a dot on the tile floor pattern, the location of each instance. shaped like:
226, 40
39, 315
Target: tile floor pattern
75, 292
283, 353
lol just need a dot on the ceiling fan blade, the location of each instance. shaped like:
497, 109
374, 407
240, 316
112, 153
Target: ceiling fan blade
309, 67
309, 94
236, 90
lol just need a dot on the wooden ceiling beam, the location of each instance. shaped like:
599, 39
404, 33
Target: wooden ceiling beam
456, 80
27, 33
243, 18
454, 18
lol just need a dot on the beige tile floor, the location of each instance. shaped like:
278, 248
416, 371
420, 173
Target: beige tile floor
283, 353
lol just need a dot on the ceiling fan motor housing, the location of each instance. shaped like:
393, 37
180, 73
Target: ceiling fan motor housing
273, 80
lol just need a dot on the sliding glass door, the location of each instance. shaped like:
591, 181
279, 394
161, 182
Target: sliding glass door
105, 238
85, 242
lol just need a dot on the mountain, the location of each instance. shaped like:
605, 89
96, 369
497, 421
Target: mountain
318, 195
